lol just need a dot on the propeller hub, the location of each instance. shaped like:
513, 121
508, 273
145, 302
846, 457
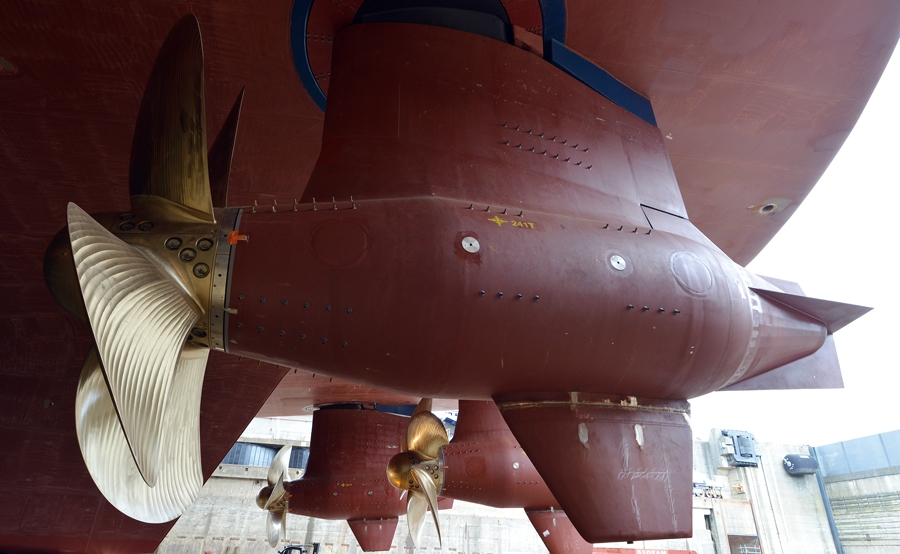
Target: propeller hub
398, 473
263, 496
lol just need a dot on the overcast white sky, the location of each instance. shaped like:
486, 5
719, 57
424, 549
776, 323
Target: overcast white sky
841, 244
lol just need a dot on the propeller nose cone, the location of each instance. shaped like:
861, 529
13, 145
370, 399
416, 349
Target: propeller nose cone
60, 275
398, 471
263, 496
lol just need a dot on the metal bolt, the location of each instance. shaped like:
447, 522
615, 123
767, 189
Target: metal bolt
187, 255
481, 293
281, 333
349, 310
306, 304
201, 270
127, 226
241, 297
284, 302
239, 325
262, 298
145, 225
630, 306
661, 310
344, 344
518, 297
302, 336
327, 308
645, 308
676, 311
173, 243
499, 295
259, 328
324, 340
204, 244
536, 298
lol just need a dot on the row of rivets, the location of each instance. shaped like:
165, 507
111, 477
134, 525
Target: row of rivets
282, 332
262, 299
541, 135
504, 212
544, 153
634, 231
500, 295
314, 206
647, 309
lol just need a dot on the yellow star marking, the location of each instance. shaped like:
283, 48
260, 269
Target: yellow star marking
496, 219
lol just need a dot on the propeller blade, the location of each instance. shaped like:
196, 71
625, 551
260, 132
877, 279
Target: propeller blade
424, 405
279, 467
168, 152
221, 153
139, 319
428, 486
278, 495
426, 434
274, 527
416, 506
107, 454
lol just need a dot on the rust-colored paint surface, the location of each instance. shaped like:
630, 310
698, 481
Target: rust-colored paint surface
558, 533
485, 464
349, 451
620, 467
757, 99
374, 535
375, 285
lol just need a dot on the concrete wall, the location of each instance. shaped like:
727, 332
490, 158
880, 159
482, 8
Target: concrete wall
226, 520
786, 512
866, 512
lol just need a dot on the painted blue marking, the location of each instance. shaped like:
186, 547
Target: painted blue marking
553, 16
599, 80
299, 20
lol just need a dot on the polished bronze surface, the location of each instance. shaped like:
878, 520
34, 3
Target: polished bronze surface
108, 452
221, 153
274, 497
418, 469
145, 294
168, 155
126, 296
